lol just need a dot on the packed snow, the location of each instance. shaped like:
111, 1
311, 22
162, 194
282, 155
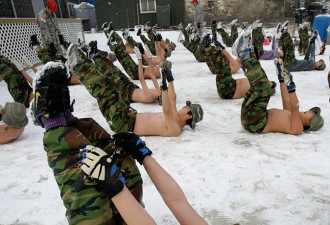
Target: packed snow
228, 174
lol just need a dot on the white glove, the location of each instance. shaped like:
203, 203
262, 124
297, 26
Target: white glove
92, 165
137, 53
147, 52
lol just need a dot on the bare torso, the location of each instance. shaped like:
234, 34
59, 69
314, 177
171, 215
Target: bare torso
280, 121
149, 124
145, 96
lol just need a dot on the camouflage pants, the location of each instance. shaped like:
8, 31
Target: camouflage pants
114, 107
254, 106
303, 41
219, 65
109, 70
126, 61
84, 199
17, 85
186, 43
46, 56
287, 47
132, 43
229, 40
150, 44
258, 39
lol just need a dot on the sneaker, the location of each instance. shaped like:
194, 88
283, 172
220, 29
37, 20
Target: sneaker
285, 27
74, 58
255, 24
219, 26
51, 92
139, 32
146, 25
278, 27
111, 39
188, 27
126, 34
243, 44
105, 26
233, 23
245, 25
34, 43
110, 26
205, 41
180, 26
93, 51
27, 62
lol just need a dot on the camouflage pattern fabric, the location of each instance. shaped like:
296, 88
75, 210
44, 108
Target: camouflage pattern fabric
258, 39
151, 34
119, 115
132, 43
287, 47
49, 30
303, 41
229, 40
108, 69
17, 85
186, 43
219, 65
199, 54
85, 200
254, 106
149, 43
125, 60
45, 56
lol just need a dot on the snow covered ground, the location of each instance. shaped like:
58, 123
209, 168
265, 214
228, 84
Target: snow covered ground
228, 175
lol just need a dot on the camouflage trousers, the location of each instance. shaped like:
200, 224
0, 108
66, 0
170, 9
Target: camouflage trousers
258, 39
303, 41
46, 56
229, 40
111, 97
219, 65
17, 85
287, 47
149, 43
132, 43
125, 60
254, 106
109, 70
84, 199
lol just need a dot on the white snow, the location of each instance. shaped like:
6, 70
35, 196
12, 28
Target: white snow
228, 175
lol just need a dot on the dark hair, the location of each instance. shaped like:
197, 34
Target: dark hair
189, 121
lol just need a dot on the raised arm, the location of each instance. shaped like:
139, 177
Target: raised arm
167, 187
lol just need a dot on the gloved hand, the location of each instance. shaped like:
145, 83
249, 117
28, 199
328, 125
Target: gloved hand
137, 53
163, 86
219, 45
147, 51
61, 38
139, 45
98, 165
52, 49
169, 76
133, 144
288, 79
278, 70
159, 37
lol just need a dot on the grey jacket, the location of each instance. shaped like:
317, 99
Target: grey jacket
49, 30
199, 14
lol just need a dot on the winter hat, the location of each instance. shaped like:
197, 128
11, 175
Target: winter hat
322, 67
317, 120
193, 1
14, 115
173, 45
197, 113
52, 5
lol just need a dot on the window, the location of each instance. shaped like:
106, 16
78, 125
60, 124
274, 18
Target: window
147, 6
70, 8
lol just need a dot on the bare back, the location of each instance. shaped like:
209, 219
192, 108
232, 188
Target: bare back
148, 124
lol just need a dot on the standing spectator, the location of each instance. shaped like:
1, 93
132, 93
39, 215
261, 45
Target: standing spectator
198, 19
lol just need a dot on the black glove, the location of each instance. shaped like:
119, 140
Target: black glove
219, 45
52, 49
61, 38
169, 76
62, 58
198, 25
98, 165
159, 37
163, 86
133, 144
139, 45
